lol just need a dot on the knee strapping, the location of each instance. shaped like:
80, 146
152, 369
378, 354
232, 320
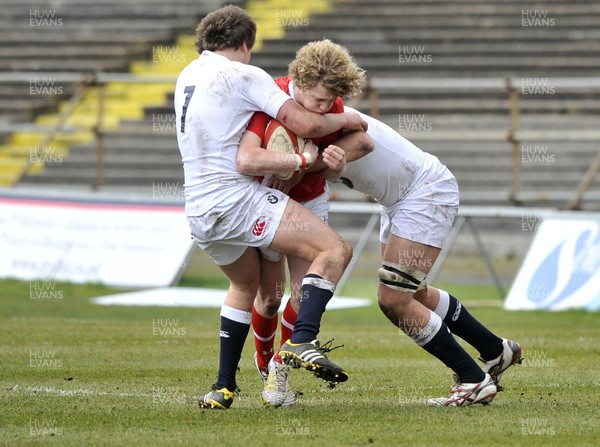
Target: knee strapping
398, 277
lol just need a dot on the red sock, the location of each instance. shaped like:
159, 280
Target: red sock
264, 334
288, 319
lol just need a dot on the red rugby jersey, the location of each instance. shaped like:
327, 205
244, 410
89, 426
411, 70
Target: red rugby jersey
313, 183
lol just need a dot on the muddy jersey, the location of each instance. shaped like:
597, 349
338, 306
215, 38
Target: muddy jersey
394, 169
214, 100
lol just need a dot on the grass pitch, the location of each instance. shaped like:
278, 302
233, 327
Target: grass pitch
74, 373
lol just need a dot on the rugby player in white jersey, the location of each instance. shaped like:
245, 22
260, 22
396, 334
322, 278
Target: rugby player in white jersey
231, 216
419, 199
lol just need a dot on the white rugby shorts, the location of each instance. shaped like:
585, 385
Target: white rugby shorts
231, 226
424, 215
319, 206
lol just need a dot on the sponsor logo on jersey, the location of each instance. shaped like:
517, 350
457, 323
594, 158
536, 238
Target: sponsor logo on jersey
272, 199
259, 227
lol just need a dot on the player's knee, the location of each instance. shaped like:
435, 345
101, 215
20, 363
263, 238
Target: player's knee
398, 284
345, 251
339, 254
402, 278
271, 307
392, 301
269, 301
423, 295
248, 285
295, 298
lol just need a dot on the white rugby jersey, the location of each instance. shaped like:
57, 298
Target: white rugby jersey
395, 168
214, 100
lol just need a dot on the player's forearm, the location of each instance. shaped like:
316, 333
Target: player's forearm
306, 124
356, 145
318, 165
331, 175
311, 125
257, 161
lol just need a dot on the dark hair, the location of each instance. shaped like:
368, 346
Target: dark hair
228, 27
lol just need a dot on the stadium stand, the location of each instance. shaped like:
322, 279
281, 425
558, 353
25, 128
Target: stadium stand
76, 36
405, 46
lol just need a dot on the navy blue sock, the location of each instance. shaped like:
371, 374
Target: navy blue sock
445, 347
316, 293
232, 337
462, 323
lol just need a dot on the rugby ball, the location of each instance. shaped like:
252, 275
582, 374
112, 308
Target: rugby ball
282, 140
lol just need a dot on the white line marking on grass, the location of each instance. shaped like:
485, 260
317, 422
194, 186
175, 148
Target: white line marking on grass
198, 297
31, 390
79, 392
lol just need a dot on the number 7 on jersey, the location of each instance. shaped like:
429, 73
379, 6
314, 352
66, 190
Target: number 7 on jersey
189, 91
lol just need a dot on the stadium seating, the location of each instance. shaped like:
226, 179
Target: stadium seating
77, 36
397, 40
525, 40
84, 35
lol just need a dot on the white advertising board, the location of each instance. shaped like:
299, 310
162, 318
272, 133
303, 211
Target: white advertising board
116, 244
562, 268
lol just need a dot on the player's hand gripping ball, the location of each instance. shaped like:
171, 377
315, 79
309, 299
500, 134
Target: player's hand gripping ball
281, 140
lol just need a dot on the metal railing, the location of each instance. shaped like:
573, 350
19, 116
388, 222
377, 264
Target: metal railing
376, 87
466, 215
84, 82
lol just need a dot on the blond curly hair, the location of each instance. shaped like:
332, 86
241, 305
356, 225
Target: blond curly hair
331, 65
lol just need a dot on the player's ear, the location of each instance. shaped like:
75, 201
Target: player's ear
246, 51
247, 48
